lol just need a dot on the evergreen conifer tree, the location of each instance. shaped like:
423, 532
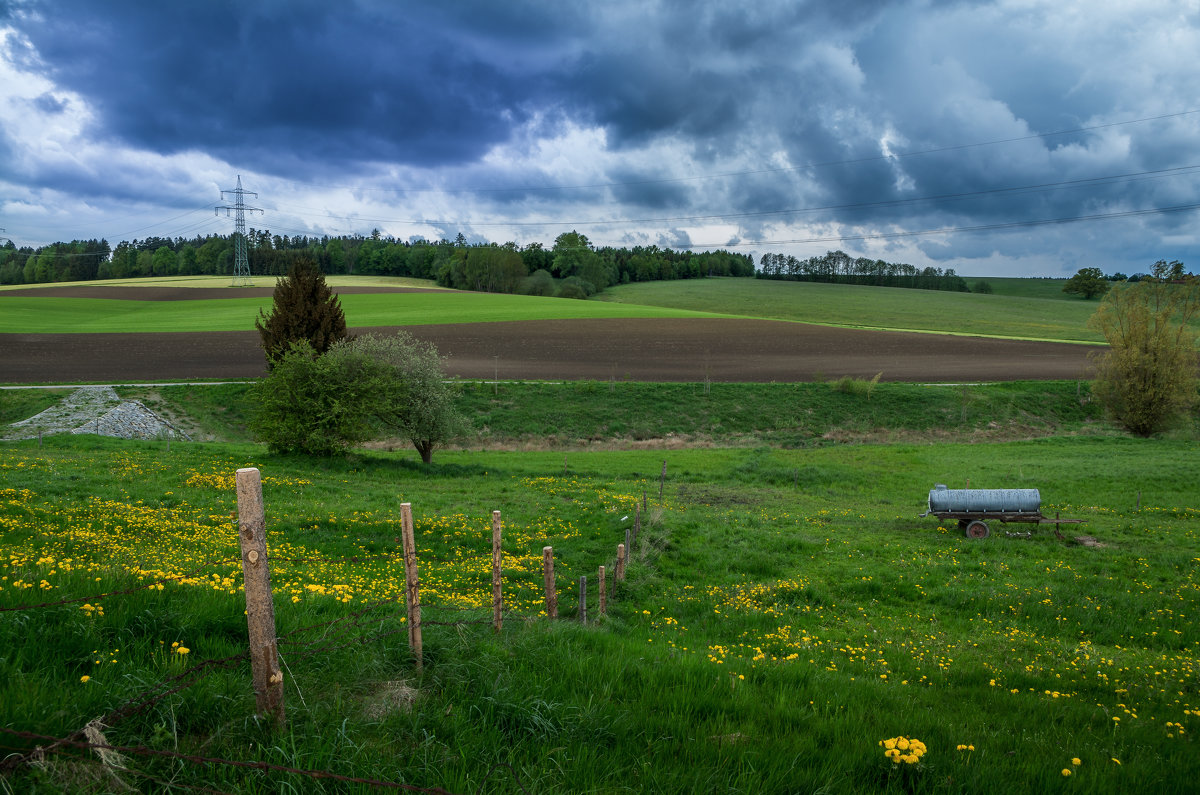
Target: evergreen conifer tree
304, 309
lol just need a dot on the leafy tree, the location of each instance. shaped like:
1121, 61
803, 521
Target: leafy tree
983, 287
164, 261
418, 401
573, 256
1088, 282
320, 404
304, 309
1147, 379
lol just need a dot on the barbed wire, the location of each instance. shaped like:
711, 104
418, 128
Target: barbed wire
141, 750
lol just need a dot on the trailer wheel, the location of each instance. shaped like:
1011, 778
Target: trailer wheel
977, 529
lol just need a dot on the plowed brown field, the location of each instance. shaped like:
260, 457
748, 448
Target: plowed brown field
640, 350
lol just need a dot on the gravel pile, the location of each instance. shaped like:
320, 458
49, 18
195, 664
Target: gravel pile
98, 410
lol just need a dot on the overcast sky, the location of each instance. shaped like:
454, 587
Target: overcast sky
789, 126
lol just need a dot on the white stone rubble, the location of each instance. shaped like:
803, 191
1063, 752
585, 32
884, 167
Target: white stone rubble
98, 410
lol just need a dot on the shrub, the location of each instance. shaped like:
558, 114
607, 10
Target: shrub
540, 282
856, 386
1147, 379
319, 404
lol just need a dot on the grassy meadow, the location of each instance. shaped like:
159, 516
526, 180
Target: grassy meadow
785, 611
787, 615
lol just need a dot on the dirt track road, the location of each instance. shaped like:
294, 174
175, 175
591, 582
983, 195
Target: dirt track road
640, 350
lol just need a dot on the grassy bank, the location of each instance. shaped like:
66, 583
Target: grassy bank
786, 610
620, 413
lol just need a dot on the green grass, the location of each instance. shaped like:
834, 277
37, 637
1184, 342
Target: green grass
785, 611
19, 404
571, 415
46, 315
1028, 313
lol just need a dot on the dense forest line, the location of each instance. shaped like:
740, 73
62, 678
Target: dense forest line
839, 267
571, 268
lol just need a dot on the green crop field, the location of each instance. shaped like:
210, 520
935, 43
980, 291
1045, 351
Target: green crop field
1059, 318
1020, 308
785, 613
50, 315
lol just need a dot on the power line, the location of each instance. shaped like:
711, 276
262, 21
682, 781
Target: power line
953, 229
1015, 190
755, 172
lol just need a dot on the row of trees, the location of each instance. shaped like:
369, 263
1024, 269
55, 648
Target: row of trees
1091, 282
485, 267
839, 267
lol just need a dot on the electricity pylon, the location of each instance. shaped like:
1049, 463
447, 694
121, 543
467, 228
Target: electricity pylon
241, 263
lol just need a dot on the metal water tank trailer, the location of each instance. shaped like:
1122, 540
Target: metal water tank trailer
984, 501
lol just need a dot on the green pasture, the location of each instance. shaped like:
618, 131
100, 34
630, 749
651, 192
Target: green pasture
1028, 313
52, 315
785, 612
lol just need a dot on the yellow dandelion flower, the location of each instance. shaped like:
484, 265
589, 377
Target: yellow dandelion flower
183, 650
85, 678
1076, 761
1066, 771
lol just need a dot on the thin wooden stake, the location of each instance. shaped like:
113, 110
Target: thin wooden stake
265, 674
1139, 499
637, 526
662, 480
497, 590
583, 599
412, 583
548, 578
603, 602
620, 561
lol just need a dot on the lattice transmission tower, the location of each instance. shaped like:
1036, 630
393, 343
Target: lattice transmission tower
241, 262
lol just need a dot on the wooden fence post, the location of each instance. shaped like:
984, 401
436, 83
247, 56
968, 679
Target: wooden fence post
412, 583
637, 526
603, 603
497, 589
583, 599
620, 561
265, 674
548, 576
662, 480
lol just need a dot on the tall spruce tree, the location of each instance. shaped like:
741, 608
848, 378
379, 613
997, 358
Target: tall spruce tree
304, 309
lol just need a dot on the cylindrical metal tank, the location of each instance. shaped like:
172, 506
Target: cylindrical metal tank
944, 500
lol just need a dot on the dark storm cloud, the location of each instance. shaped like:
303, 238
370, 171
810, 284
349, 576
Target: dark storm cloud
343, 83
889, 115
